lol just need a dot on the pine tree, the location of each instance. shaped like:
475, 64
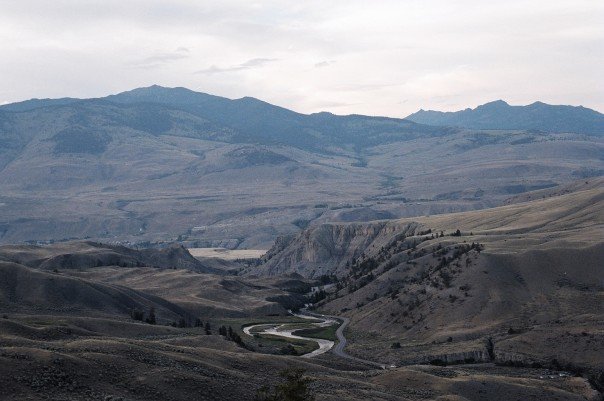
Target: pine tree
237, 339
151, 319
293, 388
137, 314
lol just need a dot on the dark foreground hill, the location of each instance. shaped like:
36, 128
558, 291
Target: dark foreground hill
168, 164
499, 115
137, 362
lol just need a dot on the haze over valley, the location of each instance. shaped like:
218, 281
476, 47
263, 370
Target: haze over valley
159, 164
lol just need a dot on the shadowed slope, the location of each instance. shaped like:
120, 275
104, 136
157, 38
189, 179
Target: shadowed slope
79, 255
25, 290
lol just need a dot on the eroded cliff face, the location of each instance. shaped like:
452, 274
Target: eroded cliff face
326, 249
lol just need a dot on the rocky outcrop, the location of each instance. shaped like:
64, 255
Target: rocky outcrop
325, 249
470, 356
504, 357
478, 355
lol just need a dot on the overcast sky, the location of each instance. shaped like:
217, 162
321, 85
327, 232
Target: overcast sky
371, 57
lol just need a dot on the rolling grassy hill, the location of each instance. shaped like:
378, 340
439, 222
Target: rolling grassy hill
110, 281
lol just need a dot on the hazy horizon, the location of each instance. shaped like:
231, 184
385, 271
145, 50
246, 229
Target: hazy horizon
391, 58
320, 111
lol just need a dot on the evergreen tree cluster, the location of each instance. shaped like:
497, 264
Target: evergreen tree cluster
151, 318
230, 335
294, 387
139, 315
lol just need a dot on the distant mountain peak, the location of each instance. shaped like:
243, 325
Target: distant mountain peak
499, 115
498, 102
161, 94
155, 89
539, 104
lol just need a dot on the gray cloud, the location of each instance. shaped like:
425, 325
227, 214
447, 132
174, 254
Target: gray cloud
325, 63
333, 105
252, 63
162, 58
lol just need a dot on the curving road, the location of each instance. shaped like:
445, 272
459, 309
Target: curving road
339, 348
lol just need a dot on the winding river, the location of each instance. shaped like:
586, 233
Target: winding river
278, 329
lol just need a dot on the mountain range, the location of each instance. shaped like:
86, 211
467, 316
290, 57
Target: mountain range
161, 111
158, 164
499, 115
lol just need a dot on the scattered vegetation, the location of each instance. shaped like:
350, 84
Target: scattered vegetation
139, 315
327, 333
287, 346
317, 296
294, 387
412, 290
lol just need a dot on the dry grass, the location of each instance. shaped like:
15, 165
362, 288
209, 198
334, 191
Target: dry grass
539, 273
227, 254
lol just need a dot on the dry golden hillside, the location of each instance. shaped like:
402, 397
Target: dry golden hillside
521, 283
